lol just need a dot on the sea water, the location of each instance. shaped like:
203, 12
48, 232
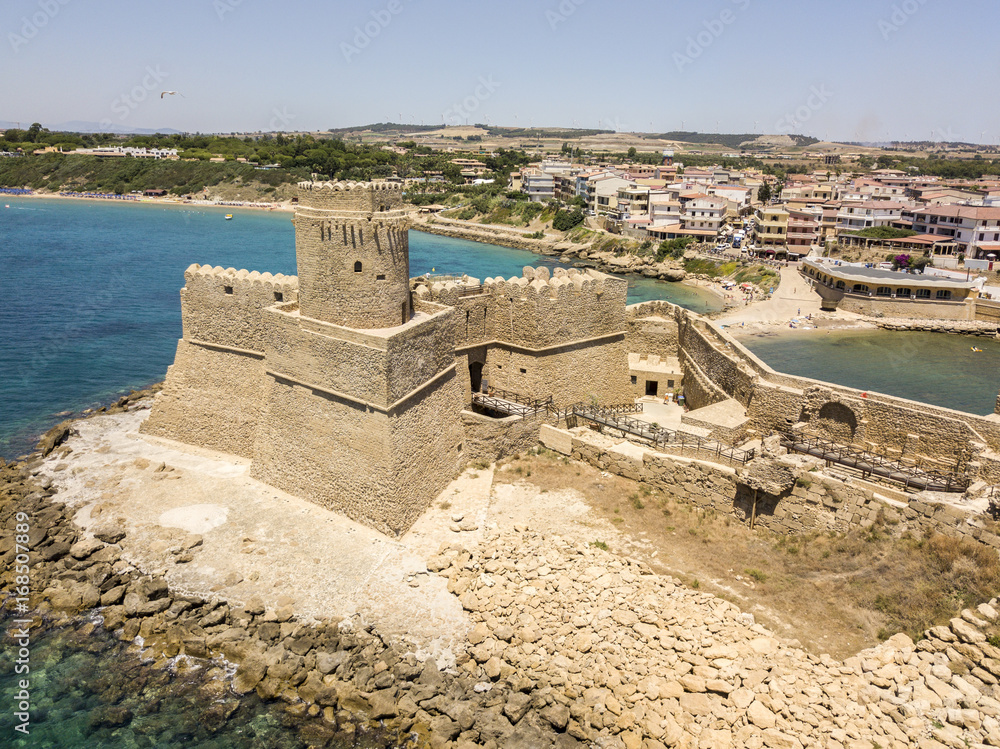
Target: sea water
91, 307
934, 368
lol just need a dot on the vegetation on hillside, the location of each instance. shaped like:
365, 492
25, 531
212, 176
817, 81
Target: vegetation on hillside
883, 232
296, 158
729, 140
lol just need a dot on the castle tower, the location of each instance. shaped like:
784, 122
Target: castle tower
353, 254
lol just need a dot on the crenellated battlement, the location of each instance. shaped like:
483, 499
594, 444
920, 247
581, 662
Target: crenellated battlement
232, 277
348, 185
563, 281
351, 197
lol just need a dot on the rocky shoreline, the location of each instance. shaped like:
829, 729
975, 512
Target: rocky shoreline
954, 327
568, 252
348, 676
568, 644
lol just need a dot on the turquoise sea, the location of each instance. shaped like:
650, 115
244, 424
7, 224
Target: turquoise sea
91, 306
91, 309
942, 370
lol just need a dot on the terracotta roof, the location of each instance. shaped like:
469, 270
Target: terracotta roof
978, 213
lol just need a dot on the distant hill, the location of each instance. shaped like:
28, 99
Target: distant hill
729, 140
382, 127
84, 126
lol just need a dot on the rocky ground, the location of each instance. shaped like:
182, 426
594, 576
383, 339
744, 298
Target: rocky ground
555, 640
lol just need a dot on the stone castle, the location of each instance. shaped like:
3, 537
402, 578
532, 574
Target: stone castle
351, 384
347, 384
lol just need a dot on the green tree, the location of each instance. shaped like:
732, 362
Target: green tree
764, 193
632, 152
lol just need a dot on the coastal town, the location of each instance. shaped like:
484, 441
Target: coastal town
415, 393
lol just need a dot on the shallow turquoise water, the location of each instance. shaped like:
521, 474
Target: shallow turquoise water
88, 691
928, 367
91, 306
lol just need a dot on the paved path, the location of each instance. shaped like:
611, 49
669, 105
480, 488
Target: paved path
792, 298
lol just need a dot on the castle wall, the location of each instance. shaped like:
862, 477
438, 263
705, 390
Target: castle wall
227, 307
488, 440
211, 398
816, 503
353, 365
330, 451
427, 442
884, 423
652, 329
540, 312
583, 372
213, 391
562, 336
379, 468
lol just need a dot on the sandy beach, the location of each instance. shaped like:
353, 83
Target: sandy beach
794, 305
283, 206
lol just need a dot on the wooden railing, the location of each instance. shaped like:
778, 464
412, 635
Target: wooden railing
872, 464
659, 436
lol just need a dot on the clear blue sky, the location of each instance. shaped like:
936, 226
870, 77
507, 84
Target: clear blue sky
847, 69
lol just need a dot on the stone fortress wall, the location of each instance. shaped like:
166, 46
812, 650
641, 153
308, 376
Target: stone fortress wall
540, 334
214, 388
816, 503
344, 387
717, 367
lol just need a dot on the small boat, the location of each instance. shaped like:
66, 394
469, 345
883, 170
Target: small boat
977, 350
229, 217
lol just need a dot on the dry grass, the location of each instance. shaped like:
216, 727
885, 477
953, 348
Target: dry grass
835, 593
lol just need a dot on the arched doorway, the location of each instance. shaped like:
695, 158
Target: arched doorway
838, 421
476, 375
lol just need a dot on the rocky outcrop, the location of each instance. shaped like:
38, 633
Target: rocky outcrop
616, 655
580, 255
955, 327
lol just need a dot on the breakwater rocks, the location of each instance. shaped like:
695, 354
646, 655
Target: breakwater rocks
615, 655
955, 327
346, 677
580, 255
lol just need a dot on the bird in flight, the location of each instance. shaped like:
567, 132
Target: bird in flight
164, 93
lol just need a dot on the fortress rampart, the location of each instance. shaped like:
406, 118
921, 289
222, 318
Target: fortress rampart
717, 367
227, 307
346, 384
539, 334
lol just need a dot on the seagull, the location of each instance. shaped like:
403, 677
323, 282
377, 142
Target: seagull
164, 93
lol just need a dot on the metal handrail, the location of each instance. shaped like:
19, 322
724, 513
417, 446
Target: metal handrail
872, 464
662, 437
